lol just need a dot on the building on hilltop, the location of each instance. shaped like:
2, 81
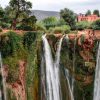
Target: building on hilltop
89, 18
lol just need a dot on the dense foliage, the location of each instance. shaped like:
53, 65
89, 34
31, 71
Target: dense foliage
28, 47
88, 13
9, 43
65, 29
96, 25
29, 38
69, 17
49, 22
96, 12
83, 25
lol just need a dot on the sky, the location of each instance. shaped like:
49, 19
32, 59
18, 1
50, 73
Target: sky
78, 6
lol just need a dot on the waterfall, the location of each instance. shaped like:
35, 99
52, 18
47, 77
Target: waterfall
56, 66
69, 86
52, 71
97, 78
73, 80
3, 78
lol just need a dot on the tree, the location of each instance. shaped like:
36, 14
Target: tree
1, 12
4, 20
88, 13
61, 22
50, 22
69, 17
18, 9
30, 21
96, 12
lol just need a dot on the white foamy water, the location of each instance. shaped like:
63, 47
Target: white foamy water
3, 78
69, 86
52, 71
97, 78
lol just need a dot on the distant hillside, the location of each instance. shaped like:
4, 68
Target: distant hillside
40, 14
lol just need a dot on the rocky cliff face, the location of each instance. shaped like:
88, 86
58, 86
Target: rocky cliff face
18, 87
78, 55
78, 51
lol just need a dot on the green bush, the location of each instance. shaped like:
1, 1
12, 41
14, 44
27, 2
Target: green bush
39, 27
96, 25
58, 30
9, 43
5, 25
66, 28
0, 29
50, 22
24, 27
29, 38
61, 29
82, 25
61, 22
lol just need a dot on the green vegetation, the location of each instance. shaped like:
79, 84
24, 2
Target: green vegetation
50, 22
69, 17
88, 13
0, 29
28, 47
96, 12
18, 10
17, 15
83, 25
14, 48
9, 43
29, 38
96, 25
65, 29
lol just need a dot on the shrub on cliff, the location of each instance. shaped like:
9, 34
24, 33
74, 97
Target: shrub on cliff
82, 25
61, 29
66, 28
96, 25
29, 38
24, 27
39, 27
57, 30
9, 43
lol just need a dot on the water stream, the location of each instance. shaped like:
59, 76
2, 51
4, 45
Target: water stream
52, 71
53, 86
3, 79
97, 78
69, 86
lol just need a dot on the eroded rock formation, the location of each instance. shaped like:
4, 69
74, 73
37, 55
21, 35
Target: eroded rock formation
18, 87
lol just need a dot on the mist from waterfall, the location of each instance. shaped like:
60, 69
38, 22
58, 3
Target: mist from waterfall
3, 79
52, 71
97, 78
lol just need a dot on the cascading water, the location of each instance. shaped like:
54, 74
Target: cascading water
52, 71
97, 78
70, 85
73, 65
70, 90
56, 66
3, 79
